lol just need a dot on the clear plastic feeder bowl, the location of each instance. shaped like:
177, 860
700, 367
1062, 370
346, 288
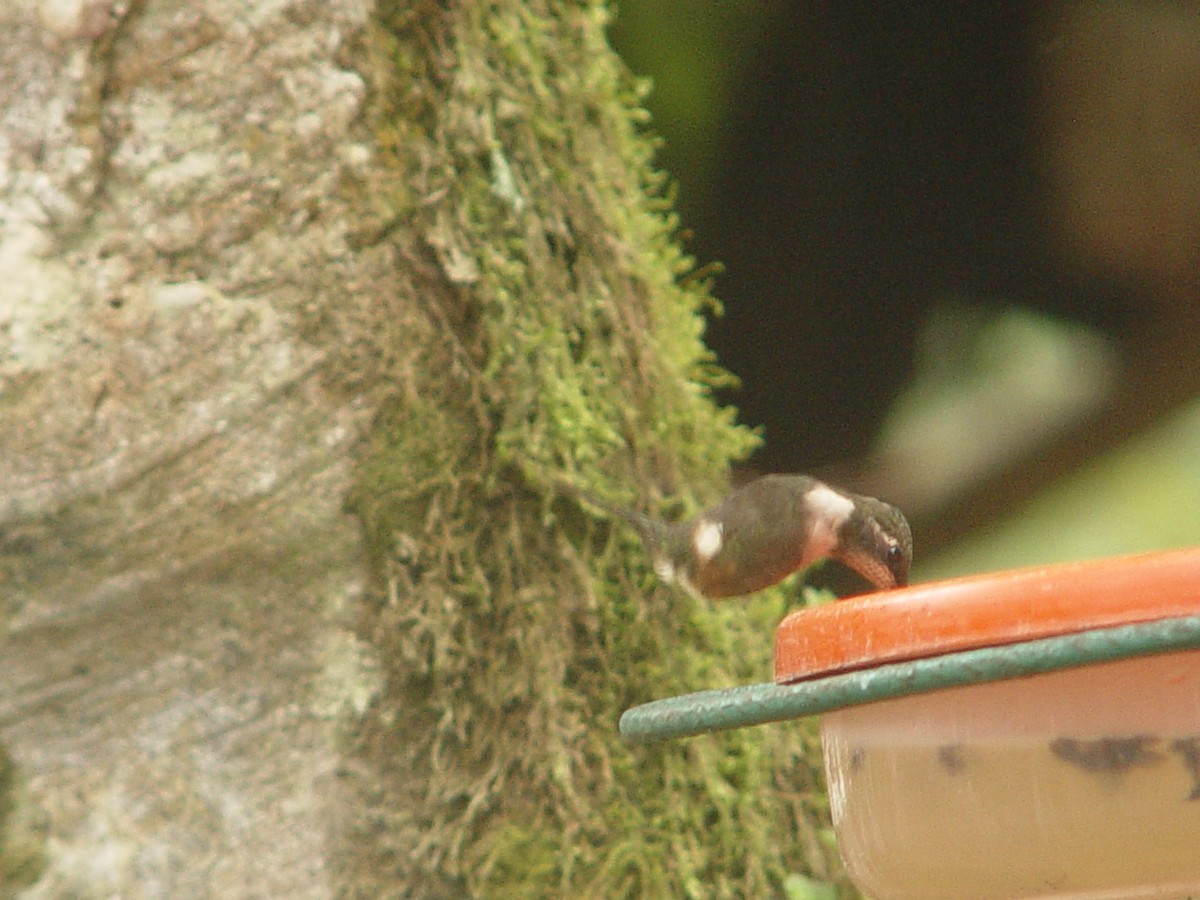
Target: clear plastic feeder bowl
1028, 734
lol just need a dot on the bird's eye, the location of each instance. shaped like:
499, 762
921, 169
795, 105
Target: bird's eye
894, 553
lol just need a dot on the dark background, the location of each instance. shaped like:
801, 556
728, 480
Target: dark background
852, 165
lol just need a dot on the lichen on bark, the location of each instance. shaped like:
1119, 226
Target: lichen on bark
22, 854
552, 328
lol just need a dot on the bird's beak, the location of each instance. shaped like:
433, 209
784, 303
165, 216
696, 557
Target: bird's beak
872, 568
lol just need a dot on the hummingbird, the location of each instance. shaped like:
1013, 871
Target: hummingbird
769, 528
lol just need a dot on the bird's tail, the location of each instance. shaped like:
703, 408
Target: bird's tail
653, 532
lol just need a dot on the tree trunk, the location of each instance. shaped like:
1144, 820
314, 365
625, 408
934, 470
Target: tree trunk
177, 565
309, 306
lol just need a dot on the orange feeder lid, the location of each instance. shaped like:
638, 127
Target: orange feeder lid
985, 611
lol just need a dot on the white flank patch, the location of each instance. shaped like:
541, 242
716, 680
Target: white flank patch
829, 511
707, 540
664, 569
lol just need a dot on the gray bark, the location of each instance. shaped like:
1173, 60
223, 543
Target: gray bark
175, 561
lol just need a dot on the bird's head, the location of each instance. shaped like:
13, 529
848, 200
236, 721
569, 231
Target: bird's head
875, 541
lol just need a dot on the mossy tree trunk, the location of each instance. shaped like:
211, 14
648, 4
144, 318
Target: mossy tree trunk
411, 262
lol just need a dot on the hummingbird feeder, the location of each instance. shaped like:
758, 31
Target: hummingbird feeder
1026, 734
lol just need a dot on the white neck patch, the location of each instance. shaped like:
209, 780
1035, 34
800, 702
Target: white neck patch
829, 511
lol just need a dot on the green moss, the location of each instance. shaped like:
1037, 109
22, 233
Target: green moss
517, 862
550, 331
22, 856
